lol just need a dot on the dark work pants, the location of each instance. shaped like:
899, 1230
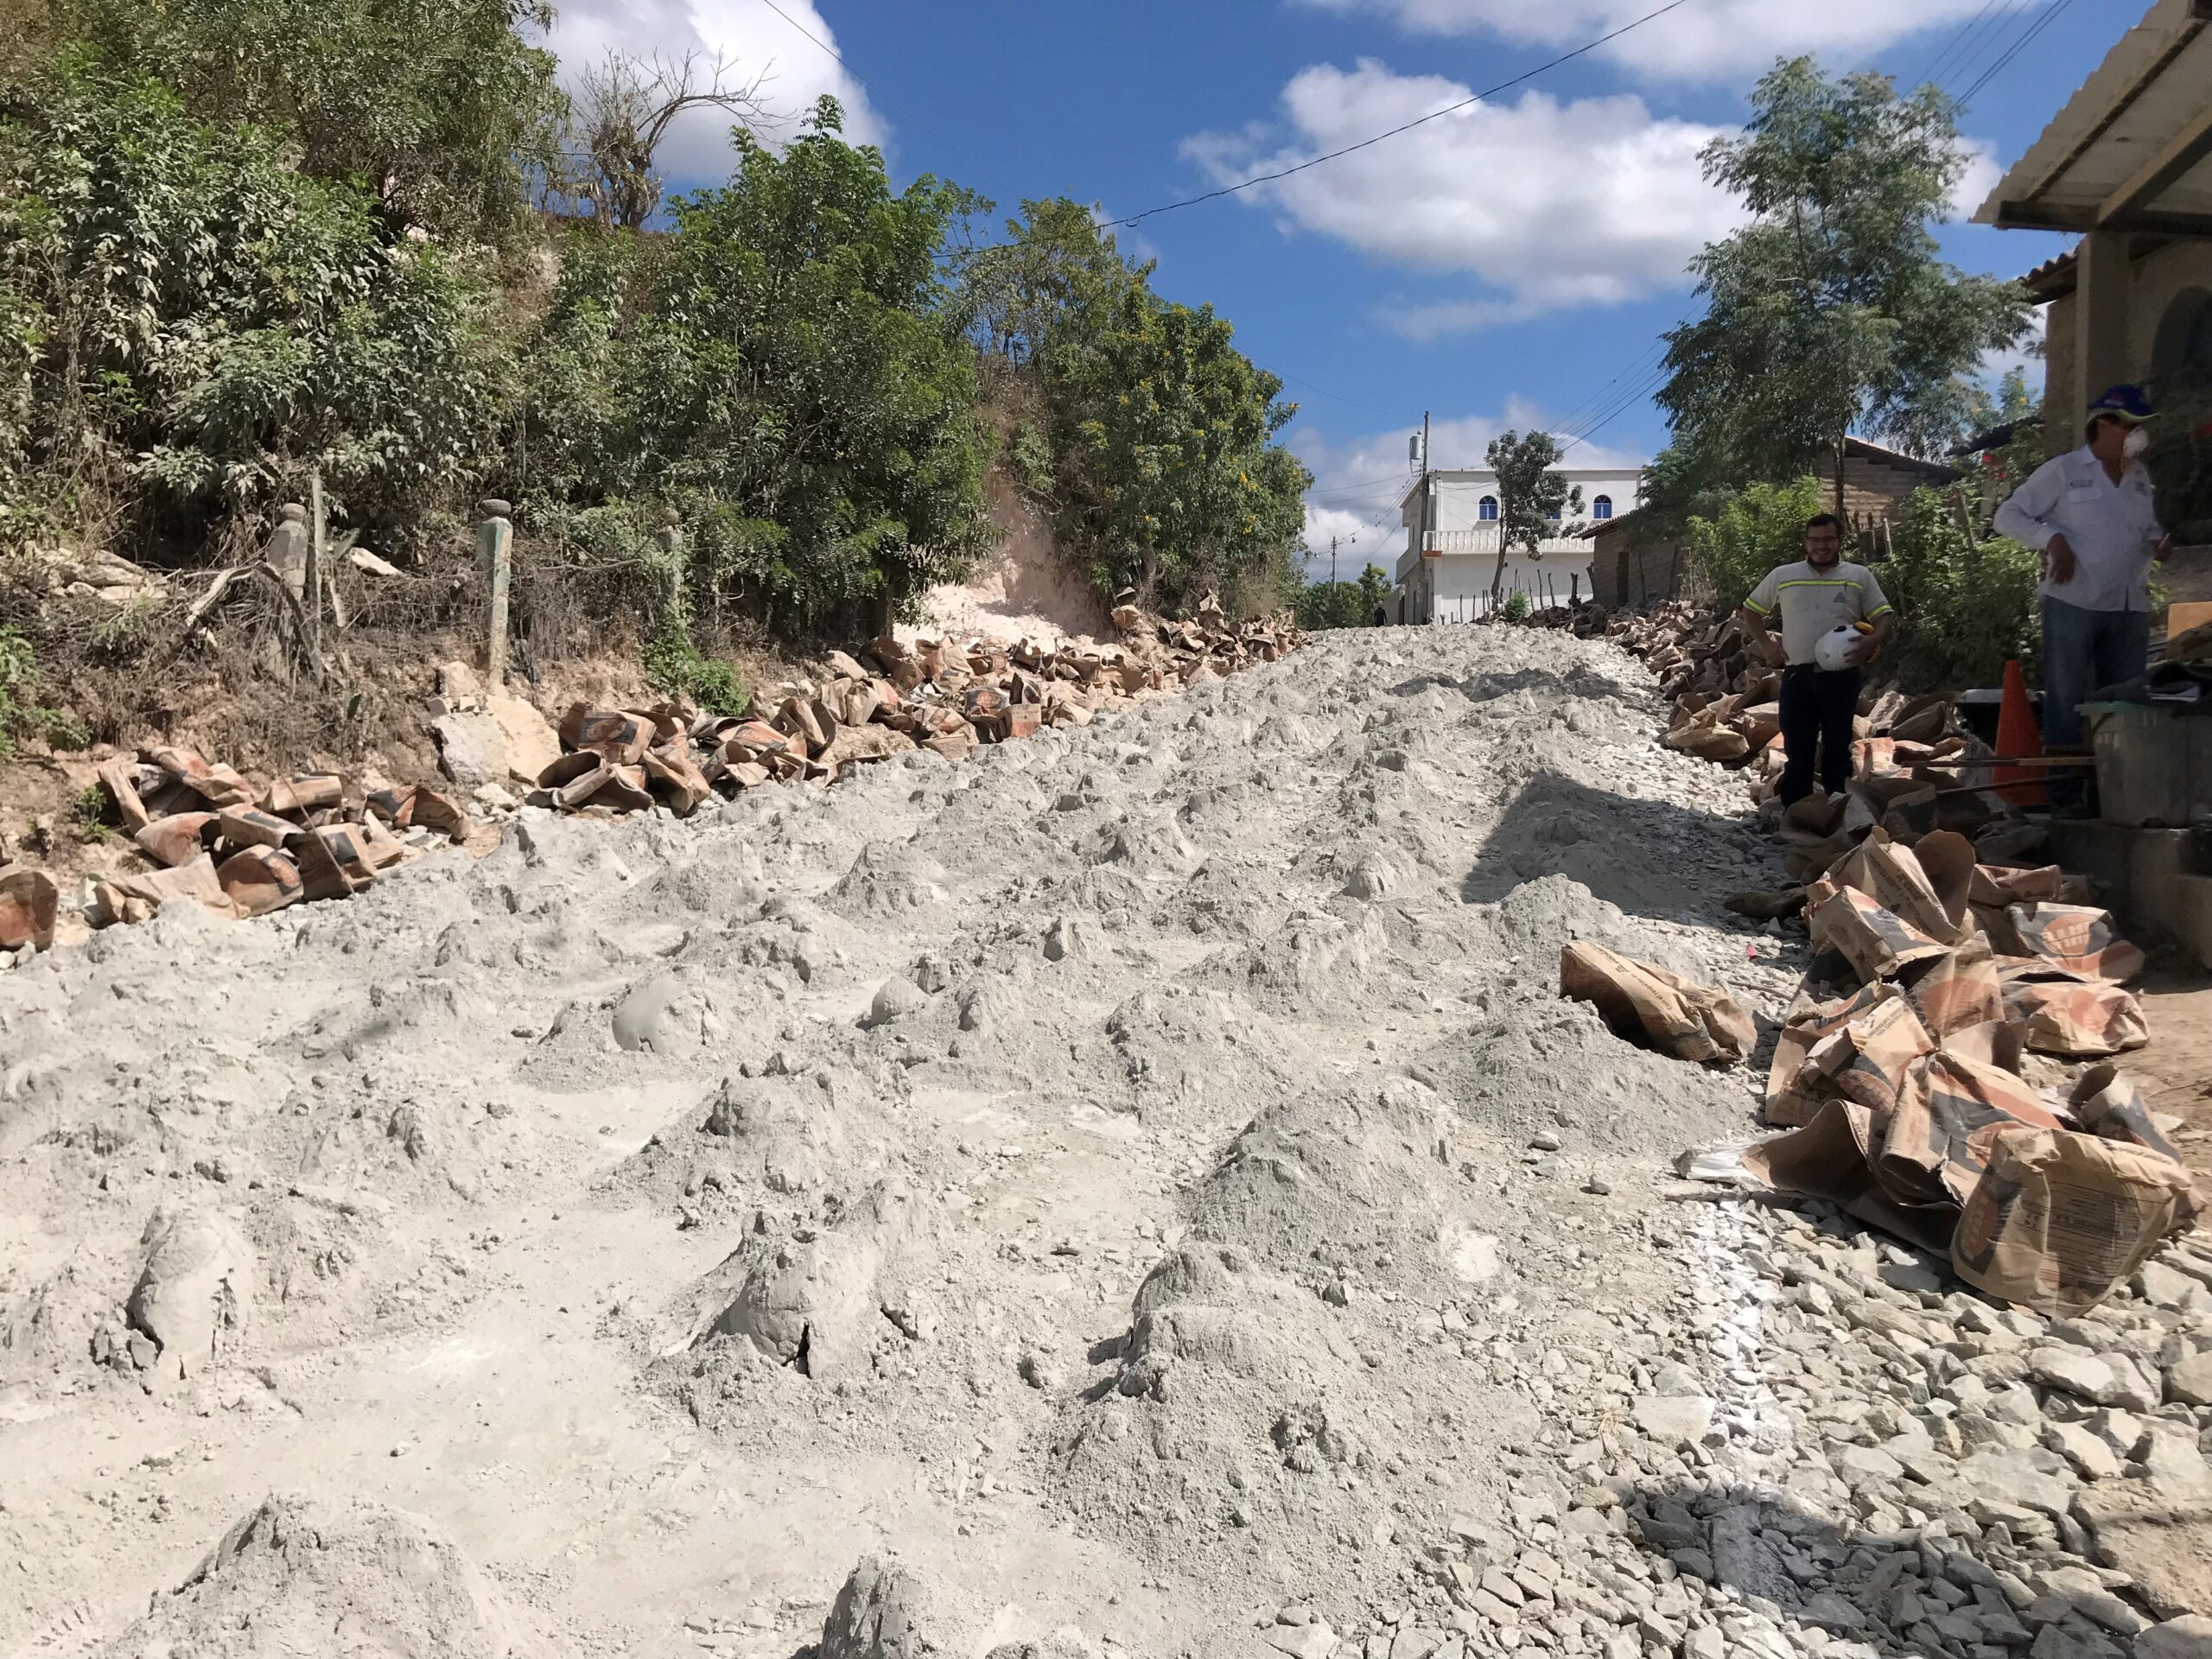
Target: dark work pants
2084, 652
1817, 709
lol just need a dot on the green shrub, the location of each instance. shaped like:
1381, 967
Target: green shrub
90, 816
190, 323
20, 715
1515, 608
1963, 608
676, 667
1754, 530
1343, 604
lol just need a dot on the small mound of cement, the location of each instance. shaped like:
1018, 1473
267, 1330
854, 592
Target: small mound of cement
194, 1291
337, 1580
812, 1302
877, 1615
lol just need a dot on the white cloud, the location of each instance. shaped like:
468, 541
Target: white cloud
1708, 40
1552, 205
1982, 172
1359, 482
747, 33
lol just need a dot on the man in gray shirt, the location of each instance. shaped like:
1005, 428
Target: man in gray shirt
2090, 514
1812, 597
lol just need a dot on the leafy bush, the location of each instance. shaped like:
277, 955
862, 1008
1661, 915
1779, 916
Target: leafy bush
1964, 608
191, 322
1753, 530
446, 106
677, 667
22, 717
1516, 605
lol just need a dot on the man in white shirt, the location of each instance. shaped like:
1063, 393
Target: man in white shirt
2090, 514
1813, 597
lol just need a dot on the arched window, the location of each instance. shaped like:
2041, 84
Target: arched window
1487, 510
1602, 507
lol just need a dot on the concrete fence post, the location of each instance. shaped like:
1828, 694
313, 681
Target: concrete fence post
494, 553
671, 541
286, 558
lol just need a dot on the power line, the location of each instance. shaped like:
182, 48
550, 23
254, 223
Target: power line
819, 41
1969, 62
1603, 425
1323, 390
1604, 418
1651, 376
1567, 421
1364, 143
1951, 47
1350, 498
2026, 40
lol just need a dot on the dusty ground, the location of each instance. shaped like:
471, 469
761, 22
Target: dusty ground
1145, 1178
2176, 1070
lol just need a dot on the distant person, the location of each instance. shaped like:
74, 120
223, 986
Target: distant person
1382, 617
1811, 598
2090, 513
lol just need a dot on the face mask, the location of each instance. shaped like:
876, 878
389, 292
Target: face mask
2139, 440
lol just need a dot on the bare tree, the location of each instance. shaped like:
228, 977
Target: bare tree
623, 108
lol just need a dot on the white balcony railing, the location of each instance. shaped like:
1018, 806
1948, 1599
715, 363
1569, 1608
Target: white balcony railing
1486, 540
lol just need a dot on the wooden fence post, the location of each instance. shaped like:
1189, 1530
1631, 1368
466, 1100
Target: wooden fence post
494, 549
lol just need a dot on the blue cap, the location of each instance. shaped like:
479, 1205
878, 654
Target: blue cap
2128, 402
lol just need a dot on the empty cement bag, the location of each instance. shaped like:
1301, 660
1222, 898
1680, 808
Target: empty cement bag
1650, 1005
2059, 1220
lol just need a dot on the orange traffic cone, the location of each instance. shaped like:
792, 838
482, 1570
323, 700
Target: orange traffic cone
2017, 735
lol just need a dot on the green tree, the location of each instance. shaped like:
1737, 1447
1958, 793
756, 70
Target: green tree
1170, 477
1533, 500
1053, 283
1750, 532
1374, 585
1164, 471
783, 372
187, 323
1829, 311
442, 109
1343, 604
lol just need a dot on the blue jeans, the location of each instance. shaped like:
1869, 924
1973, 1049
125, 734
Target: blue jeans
2083, 652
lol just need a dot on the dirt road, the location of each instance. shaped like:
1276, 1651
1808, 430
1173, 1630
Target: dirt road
1144, 1179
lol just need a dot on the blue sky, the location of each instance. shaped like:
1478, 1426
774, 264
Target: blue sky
1498, 267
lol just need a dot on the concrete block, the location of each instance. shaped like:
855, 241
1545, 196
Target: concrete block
2189, 914
2136, 873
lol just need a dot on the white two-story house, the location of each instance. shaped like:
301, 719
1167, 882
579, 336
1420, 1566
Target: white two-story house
1449, 580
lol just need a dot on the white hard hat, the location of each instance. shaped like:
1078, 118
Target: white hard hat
1834, 650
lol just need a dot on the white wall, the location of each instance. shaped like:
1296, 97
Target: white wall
1458, 497
1460, 577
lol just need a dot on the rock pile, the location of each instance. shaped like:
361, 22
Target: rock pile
931, 695
1821, 1450
240, 851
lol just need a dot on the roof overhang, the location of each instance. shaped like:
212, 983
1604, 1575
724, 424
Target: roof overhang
2132, 150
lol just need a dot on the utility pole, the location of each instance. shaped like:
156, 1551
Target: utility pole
1428, 517
1333, 540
